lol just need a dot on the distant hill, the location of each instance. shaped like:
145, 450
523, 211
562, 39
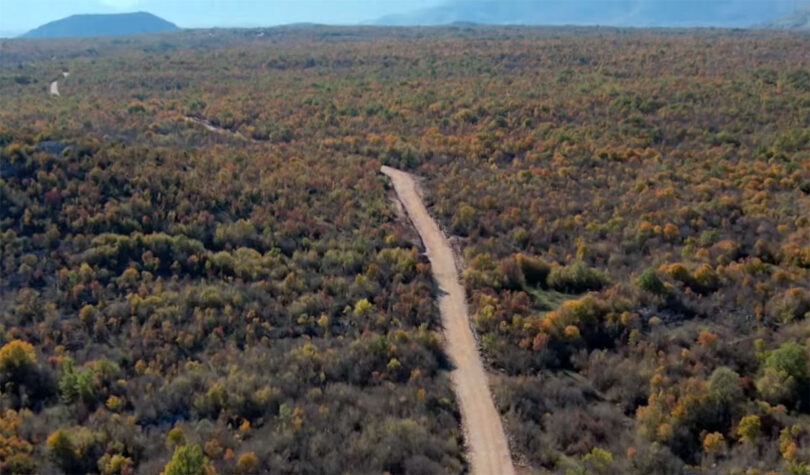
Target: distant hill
625, 13
102, 25
799, 20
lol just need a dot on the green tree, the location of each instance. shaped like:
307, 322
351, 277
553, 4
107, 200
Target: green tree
598, 461
649, 281
175, 437
776, 386
535, 269
576, 278
791, 358
363, 308
724, 386
784, 370
81, 385
186, 460
749, 428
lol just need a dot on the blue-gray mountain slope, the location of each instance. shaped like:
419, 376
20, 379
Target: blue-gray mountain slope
102, 25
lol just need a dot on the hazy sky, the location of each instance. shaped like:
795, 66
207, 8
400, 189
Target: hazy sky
19, 16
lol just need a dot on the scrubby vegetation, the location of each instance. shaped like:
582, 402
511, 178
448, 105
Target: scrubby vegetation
182, 300
632, 209
635, 214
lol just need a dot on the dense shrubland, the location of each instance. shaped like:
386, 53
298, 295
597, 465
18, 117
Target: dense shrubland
633, 209
244, 308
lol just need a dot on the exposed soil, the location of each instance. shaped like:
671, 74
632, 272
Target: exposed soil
486, 441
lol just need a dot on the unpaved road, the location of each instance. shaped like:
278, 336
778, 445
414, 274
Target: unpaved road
217, 130
53, 89
207, 125
488, 449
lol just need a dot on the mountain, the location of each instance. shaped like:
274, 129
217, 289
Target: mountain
632, 13
799, 20
102, 25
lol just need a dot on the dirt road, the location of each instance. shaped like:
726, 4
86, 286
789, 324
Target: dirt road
217, 130
207, 125
488, 449
53, 89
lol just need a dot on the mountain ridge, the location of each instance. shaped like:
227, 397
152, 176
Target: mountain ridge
102, 25
621, 13
799, 20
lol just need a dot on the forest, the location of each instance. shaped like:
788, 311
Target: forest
202, 270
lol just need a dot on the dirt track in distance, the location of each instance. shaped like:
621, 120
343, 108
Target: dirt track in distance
483, 431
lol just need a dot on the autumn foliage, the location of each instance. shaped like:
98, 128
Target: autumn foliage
631, 208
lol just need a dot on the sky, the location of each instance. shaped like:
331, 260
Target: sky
19, 16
